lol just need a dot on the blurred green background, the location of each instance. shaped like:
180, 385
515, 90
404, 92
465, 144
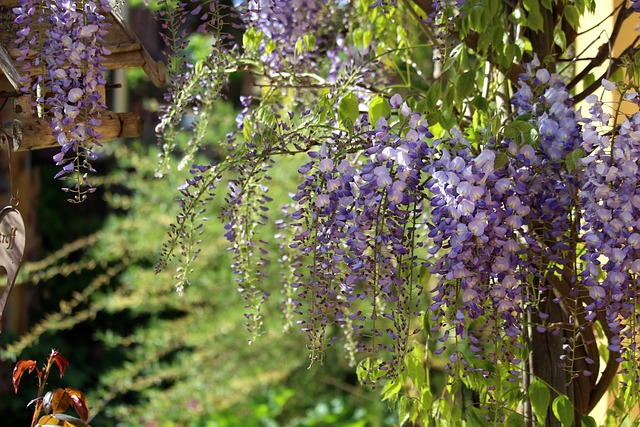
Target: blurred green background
144, 355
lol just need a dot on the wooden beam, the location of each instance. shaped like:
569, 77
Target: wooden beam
114, 49
122, 60
35, 134
154, 69
127, 51
9, 69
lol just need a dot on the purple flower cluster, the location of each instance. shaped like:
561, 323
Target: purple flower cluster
503, 215
479, 214
284, 23
70, 48
442, 17
184, 236
610, 196
357, 227
246, 211
553, 185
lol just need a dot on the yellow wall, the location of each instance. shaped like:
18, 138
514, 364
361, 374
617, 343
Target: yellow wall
590, 42
598, 28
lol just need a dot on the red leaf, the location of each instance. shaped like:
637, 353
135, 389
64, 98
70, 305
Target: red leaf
21, 366
55, 402
80, 404
60, 361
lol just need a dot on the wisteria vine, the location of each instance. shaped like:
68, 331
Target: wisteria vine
65, 38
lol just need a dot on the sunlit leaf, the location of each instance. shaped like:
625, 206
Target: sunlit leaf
539, 395
69, 421
348, 110
79, 401
378, 107
573, 159
56, 401
563, 410
18, 370
391, 388
48, 420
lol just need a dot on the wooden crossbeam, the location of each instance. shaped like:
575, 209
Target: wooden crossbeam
127, 51
35, 134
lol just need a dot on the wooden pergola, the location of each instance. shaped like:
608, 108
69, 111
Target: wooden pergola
30, 132
25, 131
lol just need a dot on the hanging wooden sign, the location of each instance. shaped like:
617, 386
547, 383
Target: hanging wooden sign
12, 244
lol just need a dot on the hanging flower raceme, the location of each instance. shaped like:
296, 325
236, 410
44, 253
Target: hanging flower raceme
289, 30
553, 186
357, 221
68, 40
611, 198
477, 223
501, 217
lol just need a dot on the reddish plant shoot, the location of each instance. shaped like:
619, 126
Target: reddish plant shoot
55, 402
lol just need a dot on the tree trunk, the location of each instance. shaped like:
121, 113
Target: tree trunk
545, 352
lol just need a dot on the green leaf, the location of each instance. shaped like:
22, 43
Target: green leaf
515, 420
520, 131
357, 36
521, 126
433, 95
426, 398
534, 17
560, 39
480, 103
539, 396
617, 76
511, 53
269, 47
299, 46
465, 85
588, 421
475, 19
309, 42
573, 159
563, 410
501, 160
475, 418
391, 388
447, 99
447, 120
547, 4
367, 36
572, 15
348, 110
379, 106
415, 368
589, 79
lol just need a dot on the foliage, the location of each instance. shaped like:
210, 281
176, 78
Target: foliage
56, 402
144, 356
451, 198
67, 40
474, 207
